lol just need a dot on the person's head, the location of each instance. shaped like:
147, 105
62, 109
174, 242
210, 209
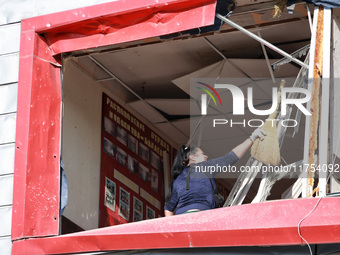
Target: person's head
186, 156
197, 156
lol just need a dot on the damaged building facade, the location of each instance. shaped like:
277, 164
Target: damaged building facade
104, 93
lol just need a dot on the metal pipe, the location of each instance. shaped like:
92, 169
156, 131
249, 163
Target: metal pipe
267, 59
257, 38
308, 118
309, 18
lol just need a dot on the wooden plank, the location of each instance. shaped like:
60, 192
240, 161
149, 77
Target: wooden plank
317, 71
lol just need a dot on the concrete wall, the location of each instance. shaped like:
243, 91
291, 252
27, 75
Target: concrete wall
11, 14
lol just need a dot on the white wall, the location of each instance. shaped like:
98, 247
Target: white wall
81, 143
9, 60
335, 184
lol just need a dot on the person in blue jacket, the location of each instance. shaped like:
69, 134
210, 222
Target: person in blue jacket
191, 189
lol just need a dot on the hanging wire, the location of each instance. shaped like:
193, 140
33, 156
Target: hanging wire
318, 202
200, 123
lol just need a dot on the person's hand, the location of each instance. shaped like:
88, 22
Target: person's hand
258, 133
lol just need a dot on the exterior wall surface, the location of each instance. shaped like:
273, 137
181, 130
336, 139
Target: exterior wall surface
11, 14
9, 64
335, 114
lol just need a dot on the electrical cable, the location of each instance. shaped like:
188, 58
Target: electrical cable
316, 205
299, 225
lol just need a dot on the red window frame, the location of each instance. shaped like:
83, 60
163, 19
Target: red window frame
36, 176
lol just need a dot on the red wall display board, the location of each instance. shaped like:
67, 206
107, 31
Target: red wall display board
131, 181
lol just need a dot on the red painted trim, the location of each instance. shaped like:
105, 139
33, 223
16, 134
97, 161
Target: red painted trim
268, 223
60, 20
21, 141
140, 21
36, 176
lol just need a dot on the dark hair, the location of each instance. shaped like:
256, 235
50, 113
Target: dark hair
180, 163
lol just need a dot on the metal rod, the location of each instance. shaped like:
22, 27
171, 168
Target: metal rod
309, 18
257, 38
308, 118
267, 59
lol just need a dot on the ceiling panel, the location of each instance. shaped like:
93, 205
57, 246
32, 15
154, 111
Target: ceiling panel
238, 45
147, 111
258, 68
148, 70
91, 68
172, 132
211, 71
118, 89
173, 106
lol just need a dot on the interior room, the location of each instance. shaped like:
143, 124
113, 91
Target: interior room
151, 81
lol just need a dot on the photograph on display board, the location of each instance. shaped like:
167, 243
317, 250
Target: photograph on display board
144, 172
121, 135
124, 203
110, 194
109, 126
124, 211
109, 147
144, 152
137, 216
132, 164
133, 144
154, 180
121, 156
137, 209
154, 160
150, 214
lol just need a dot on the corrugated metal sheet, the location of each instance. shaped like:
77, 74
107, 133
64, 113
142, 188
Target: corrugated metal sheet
5, 220
7, 159
6, 245
7, 128
16, 10
6, 189
10, 38
8, 98
9, 68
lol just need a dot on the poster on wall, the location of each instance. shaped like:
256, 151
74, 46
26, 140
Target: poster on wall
137, 209
110, 194
150, 214
109, 126
131, 179
124, 203
109, 147
154, 180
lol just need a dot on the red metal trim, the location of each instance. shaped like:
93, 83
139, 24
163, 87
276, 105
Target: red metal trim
36, 176
268, 223
139, 21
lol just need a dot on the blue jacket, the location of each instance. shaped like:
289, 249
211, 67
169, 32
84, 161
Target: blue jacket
200, 194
